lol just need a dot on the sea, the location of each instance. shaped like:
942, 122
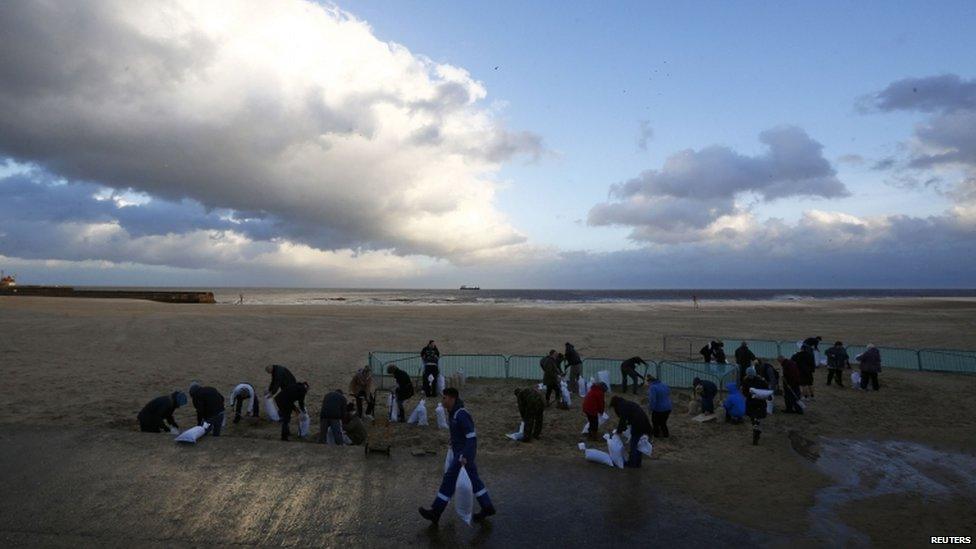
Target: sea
334, 296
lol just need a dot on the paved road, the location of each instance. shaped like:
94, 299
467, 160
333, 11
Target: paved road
69, 487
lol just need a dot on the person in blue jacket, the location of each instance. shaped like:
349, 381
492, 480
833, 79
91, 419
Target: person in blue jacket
659, 403
708, 392
735, 404
464, 445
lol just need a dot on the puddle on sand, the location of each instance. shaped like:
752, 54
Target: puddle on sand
864, 469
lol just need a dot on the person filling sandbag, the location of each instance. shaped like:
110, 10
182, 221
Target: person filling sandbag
289, 400
769, 373
813, 342
574, 364
628, 371
361, 388
333, 411
744, 357
403, 392
708, 392
244, 392
837, 360
464, 446
281, 378
659, 403
157, 415
808, 365
631, 415
550, 374
354, 427
531, 408
755, 405
870, 362
209, 404
735, 404
594, 405
431, 356
791, 386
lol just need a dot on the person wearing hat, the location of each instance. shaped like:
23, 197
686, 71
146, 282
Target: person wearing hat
594, 405
708, 392
659, 403
209, 404
531, 409
837, 360
155, 415
755, 406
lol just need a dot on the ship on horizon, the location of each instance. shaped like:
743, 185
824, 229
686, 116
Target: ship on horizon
466, 287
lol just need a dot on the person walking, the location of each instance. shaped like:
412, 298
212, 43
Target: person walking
594, 405
431, 357
404, 389
837, 360
464, 449
331, 415
531, 409
755, 404
870, 362
628, 371
659, 403
632, 415
791, 385
708, 392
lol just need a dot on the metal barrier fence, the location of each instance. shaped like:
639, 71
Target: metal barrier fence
930, 360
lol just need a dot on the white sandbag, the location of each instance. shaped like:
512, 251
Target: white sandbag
271, 409
419, 414
819, 359
601, 419
193, 434
856, 379
541, 387
441, 384
604, 417
604, 377
304, 424
464, 497
760, 393
441, 417
598, 456
518, 435
615, 447
769, 406
644, 445
625, 436
394, 409
581, 386
564, 390
330, 440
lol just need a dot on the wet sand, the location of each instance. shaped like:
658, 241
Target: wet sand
77, 371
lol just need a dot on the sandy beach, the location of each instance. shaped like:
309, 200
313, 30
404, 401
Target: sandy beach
87, 366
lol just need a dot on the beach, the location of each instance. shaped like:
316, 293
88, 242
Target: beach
80, 370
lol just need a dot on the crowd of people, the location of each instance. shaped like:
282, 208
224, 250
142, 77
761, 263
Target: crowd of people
342, 420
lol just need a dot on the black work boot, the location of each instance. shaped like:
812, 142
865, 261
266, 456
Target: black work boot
484, 513
430, 514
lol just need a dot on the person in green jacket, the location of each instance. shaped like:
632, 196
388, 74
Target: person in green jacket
531, 407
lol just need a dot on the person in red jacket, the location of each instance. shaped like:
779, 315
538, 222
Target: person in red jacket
594, 405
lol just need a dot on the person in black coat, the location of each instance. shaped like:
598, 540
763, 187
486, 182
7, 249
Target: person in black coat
813, 342
706, 352
755, 407
630, 413
574, 365
331, 416
718, 352
155, 415
281, 378
744, 357
289, 400
808, 365
708, 392
404, 389
209, 404
430, 356
628, 370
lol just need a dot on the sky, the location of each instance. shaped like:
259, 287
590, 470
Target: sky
506, 144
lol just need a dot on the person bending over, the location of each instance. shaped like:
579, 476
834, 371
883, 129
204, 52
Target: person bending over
708, 392
594, 405
209, 404
361, 388
331, 415
550, 374
404, 389
289, 400
531, 409
735, 404
628, 371
354, 427
631, 414
157, 415
244, 392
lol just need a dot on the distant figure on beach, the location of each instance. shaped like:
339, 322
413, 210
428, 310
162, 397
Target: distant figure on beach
594, 405
744, 357
550, 374
628, 371
157, 415
659, 403
240, 299
289, 400
531, 409
430, 356
870, 361
631, 414
694, 301
361, 388
209, 404
464, 447
808, 365
574, 365
404, 389
334, 408
708, 392
837, 360
242, 392
755, 406
791, 385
